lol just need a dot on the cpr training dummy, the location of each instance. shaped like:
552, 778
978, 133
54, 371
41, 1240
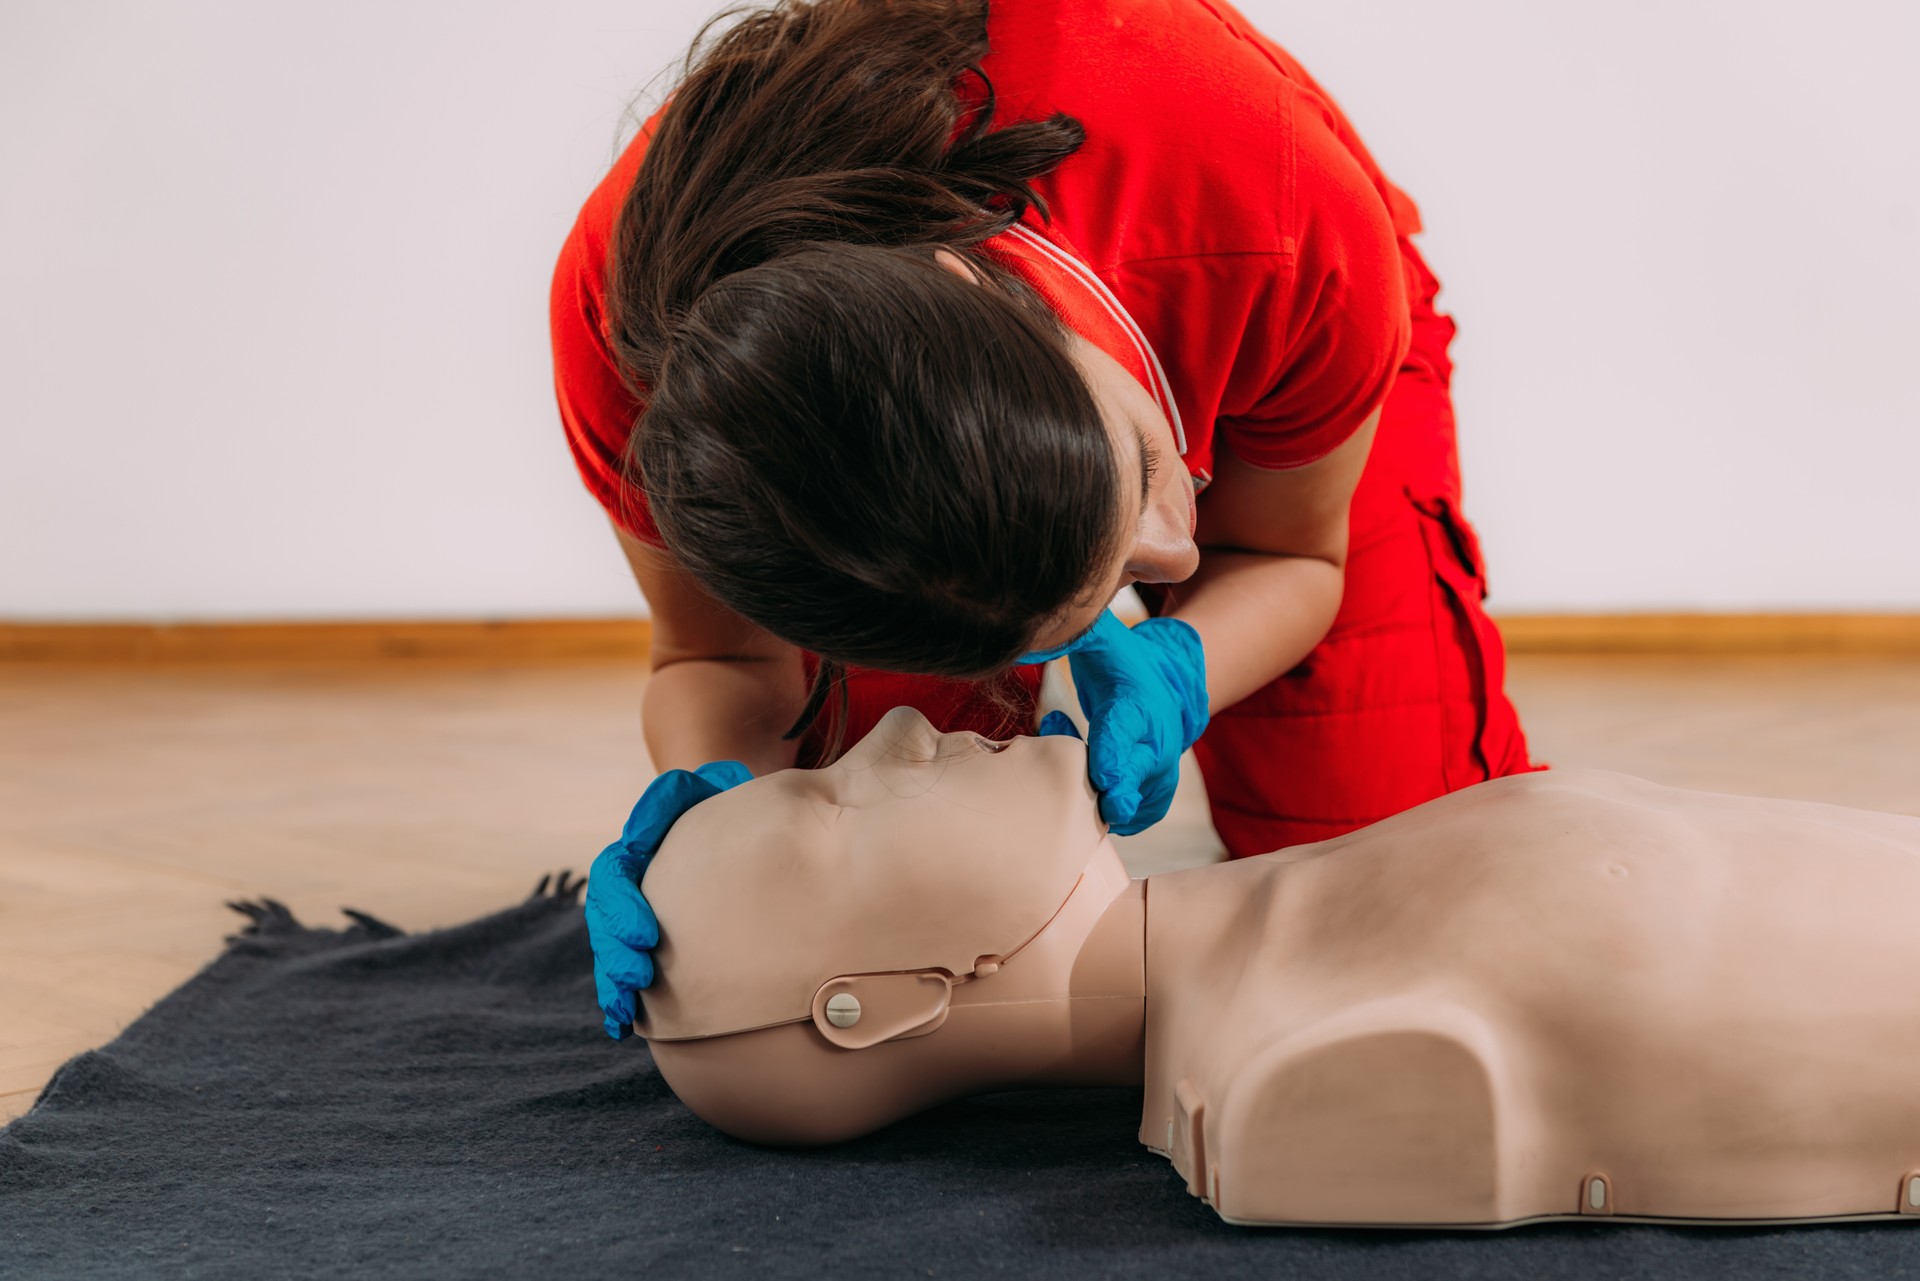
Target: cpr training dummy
1567, 993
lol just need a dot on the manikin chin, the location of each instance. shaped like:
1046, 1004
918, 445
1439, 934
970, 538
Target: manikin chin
1569, 993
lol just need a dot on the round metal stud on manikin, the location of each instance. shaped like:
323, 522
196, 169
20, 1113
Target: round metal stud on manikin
843, 1009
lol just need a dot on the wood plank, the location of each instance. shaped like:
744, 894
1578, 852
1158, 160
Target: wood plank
14, 1103
135, 798
1843, 729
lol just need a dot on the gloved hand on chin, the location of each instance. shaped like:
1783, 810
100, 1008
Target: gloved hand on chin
620, 924
1144, 691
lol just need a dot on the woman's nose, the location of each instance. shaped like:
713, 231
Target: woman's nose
1163, 553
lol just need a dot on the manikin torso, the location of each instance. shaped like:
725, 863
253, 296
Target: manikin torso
1552, 994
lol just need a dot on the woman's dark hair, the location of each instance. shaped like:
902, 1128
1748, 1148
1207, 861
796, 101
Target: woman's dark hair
847, 443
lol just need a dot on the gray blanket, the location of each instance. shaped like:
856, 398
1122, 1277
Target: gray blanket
369, 1103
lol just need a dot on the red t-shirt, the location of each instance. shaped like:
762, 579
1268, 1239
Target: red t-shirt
1222, 233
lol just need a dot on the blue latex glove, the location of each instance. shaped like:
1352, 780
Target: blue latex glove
620, 924
1144, 690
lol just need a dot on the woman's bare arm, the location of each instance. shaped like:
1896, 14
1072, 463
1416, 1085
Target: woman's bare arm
722, 688
1272, 564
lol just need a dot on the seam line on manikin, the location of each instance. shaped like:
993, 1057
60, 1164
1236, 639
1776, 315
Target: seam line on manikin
1042, 1000
1163, 386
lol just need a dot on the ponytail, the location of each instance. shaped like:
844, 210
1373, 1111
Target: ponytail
817, 120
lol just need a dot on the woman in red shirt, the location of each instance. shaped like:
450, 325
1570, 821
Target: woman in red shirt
883, 393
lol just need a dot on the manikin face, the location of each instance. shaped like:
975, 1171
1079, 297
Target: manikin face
1156, 491
916, 850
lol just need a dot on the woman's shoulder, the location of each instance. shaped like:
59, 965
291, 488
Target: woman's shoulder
1227, 202
1196, 123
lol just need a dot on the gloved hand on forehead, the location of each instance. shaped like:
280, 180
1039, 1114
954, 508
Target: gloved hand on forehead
620, 924
1144, 691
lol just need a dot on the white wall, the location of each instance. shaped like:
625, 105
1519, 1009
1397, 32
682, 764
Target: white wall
1682, 243
273, 294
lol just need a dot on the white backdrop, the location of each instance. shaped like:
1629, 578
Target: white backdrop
273, 294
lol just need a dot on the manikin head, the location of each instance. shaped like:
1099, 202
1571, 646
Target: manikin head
844, 946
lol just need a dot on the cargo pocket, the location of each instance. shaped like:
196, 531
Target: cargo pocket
1468, 652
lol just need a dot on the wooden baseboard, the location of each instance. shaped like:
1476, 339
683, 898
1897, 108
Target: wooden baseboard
1883, 634
562, 639
516, 640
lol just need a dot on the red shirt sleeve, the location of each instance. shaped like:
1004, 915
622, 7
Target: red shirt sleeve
1338, 325
596, 408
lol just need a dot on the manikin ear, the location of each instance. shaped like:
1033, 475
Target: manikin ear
858, 1010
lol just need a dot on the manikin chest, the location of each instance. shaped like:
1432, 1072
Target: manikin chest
1546, 996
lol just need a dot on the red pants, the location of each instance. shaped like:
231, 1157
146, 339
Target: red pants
1402, 701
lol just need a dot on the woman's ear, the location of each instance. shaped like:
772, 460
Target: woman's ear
954, 263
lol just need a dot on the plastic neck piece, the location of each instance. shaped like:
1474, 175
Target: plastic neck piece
1077, 989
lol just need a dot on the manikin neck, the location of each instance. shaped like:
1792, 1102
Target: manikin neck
1069, 1008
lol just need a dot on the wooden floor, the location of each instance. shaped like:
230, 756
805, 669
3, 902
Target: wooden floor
134, 800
